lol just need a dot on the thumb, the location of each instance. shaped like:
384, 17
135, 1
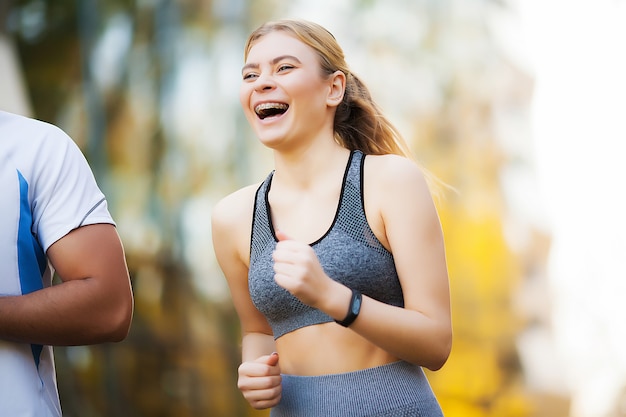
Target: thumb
281, 236
273, 359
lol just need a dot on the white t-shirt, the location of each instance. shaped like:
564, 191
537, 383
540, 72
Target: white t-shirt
47, 189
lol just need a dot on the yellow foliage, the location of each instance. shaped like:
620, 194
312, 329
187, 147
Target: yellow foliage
478, 378
511, 404
456, 408
471, 373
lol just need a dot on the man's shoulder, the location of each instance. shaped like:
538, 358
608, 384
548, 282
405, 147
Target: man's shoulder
15, 127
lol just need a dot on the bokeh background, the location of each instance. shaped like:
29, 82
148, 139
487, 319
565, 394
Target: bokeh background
519, 105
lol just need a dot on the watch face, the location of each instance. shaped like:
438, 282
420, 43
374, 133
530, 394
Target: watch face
356, 306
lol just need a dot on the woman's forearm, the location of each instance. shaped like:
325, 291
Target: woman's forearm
255, 345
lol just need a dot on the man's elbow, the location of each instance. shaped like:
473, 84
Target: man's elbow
115, 325
121, 329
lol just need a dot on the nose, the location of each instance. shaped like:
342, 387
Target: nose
264, 83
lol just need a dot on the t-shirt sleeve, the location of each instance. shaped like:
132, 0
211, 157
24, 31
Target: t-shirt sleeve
66, 195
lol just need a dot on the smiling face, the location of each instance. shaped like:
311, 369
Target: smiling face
284, 94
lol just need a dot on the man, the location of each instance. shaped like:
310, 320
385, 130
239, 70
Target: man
53, 217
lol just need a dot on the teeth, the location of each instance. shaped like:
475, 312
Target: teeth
266, 106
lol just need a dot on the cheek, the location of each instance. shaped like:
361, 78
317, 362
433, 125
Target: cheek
244, 100
312, 93
244, 96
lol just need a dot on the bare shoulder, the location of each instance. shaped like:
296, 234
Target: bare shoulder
235, 207
395, 173
394, 190
231, 222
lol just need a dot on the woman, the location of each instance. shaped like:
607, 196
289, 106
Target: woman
336, 262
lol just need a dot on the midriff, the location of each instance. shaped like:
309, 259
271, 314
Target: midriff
327, 348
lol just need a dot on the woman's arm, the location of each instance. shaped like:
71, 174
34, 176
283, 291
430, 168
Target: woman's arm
421, 332
259, 373
231, 228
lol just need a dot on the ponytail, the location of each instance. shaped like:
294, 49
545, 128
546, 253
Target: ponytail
359, 123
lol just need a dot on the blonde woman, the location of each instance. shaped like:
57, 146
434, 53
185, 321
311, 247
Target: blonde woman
336, 261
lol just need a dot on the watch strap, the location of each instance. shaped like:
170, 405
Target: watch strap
353, 310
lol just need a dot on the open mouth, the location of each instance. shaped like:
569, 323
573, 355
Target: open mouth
266, 110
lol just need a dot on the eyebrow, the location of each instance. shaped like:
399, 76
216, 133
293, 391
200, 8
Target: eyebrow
273, 62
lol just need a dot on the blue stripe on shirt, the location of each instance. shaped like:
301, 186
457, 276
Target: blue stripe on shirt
31, 258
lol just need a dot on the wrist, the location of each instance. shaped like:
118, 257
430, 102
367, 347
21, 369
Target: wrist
354, 308
336, 302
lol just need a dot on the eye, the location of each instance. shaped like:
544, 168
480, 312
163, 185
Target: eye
249, 76
285, 67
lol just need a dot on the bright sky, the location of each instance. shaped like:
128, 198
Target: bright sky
577, 52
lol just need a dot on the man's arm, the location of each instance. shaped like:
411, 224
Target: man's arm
93, 304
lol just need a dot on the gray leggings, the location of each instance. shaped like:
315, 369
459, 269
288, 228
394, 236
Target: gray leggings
398, 389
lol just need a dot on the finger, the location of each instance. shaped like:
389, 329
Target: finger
261, 399
281, 236
273, 359
285, 254
258, 383
290, 251
262, 359
257, 369
263, 405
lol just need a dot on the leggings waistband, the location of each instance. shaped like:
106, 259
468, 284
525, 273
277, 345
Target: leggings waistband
398, 389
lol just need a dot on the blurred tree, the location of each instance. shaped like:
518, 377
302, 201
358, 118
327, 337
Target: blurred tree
148, 90
178, 359
12, 89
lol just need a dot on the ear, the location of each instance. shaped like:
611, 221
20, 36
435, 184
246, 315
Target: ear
337, 84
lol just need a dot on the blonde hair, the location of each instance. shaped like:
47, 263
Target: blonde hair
359, 123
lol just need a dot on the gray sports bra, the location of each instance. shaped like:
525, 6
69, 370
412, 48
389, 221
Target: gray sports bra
349, 252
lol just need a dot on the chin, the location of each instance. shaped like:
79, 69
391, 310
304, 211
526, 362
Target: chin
271, 139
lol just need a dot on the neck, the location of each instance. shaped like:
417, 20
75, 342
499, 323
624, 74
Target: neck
303, 167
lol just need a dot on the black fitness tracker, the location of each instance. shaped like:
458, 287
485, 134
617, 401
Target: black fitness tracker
353, 310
